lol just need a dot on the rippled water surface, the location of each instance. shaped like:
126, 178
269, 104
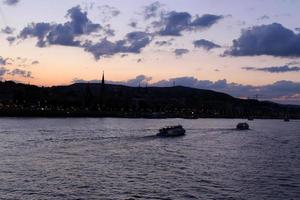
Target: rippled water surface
121, 159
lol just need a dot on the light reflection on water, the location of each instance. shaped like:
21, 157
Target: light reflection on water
121, 159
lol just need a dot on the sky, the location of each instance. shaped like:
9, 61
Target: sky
245, 48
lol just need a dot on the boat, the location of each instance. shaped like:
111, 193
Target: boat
250, 118
242, 126
171, 131
286, 119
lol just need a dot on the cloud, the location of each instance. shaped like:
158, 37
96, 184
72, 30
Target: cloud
14, 72
11, 39
2, 61
68, 34
108, 12
18, 61
3, 71
133, 24
139, 80
35, 62
20, 72
134, 82
205, 44
276, 69
206, 21
174, 23
134, 42
153, 10
11, 2
272, 40
38, 30
264, 17
62, 34
181, 52
280, 91
8, 30
164, 42
80, 23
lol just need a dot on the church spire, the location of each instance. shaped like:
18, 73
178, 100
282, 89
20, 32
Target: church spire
103, 80
102, 92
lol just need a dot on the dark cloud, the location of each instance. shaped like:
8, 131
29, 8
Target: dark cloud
68, 34
181, 52
174, 23
79, 30
273, 40
11, 2
21, 73
276, 69
38, 30
104, 48
134, 42
80, 23
206, 21
281, 91
61, 34
8, 30
205, 44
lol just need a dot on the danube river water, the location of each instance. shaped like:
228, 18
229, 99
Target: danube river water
63, 159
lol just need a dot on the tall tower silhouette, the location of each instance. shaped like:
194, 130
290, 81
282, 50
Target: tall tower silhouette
102, 91
103, 80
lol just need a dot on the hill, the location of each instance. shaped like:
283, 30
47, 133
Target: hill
96, 100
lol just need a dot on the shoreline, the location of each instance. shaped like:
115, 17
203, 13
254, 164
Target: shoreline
133, 116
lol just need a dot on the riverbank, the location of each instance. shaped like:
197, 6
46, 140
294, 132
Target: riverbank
146, 115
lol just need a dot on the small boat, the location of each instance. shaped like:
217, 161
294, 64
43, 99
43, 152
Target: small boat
250, 118
242, 126
286, 119
171, 131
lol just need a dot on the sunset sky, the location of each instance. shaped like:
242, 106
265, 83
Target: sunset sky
244, 48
